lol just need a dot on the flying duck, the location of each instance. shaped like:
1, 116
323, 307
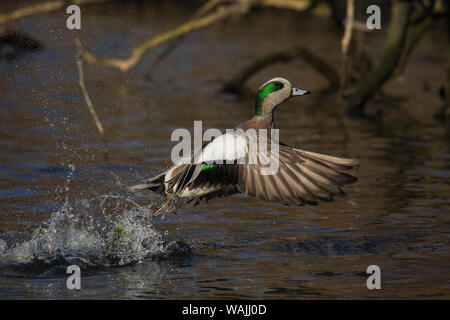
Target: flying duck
224, 165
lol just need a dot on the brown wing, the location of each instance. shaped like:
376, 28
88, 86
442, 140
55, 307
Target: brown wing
303, 177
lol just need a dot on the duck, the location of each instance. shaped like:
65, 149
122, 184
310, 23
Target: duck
222, 166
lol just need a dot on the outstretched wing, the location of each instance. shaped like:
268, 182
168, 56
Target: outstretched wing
302, 178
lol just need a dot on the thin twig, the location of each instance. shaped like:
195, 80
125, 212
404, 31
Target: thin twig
89, 103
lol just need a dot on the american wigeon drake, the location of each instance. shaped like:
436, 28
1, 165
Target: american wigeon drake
302, 177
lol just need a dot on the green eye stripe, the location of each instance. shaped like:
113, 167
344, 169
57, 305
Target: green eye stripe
207, 166
262, 94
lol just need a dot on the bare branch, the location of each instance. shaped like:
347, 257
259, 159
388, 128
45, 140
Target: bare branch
211, 13
125, 64
84, 91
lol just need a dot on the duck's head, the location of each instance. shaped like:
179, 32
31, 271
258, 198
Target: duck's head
273, 93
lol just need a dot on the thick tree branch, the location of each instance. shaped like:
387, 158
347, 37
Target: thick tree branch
418, 25
389, 58
413, 37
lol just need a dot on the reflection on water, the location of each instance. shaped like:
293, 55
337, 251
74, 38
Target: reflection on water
62, 188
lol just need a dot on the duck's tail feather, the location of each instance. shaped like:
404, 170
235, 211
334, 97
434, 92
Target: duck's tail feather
155, 184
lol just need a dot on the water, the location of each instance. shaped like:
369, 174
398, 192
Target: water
63, 197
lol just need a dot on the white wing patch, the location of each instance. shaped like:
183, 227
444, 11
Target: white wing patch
228, 146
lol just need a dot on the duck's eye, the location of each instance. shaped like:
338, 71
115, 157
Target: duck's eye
278, 86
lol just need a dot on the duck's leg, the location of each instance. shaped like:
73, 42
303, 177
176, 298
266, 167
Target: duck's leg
164, 207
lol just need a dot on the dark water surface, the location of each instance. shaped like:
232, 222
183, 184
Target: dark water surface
62, 188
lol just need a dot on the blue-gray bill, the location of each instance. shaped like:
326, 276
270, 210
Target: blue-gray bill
299, 92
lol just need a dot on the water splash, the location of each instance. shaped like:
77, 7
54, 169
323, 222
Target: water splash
3, 247
98, 232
